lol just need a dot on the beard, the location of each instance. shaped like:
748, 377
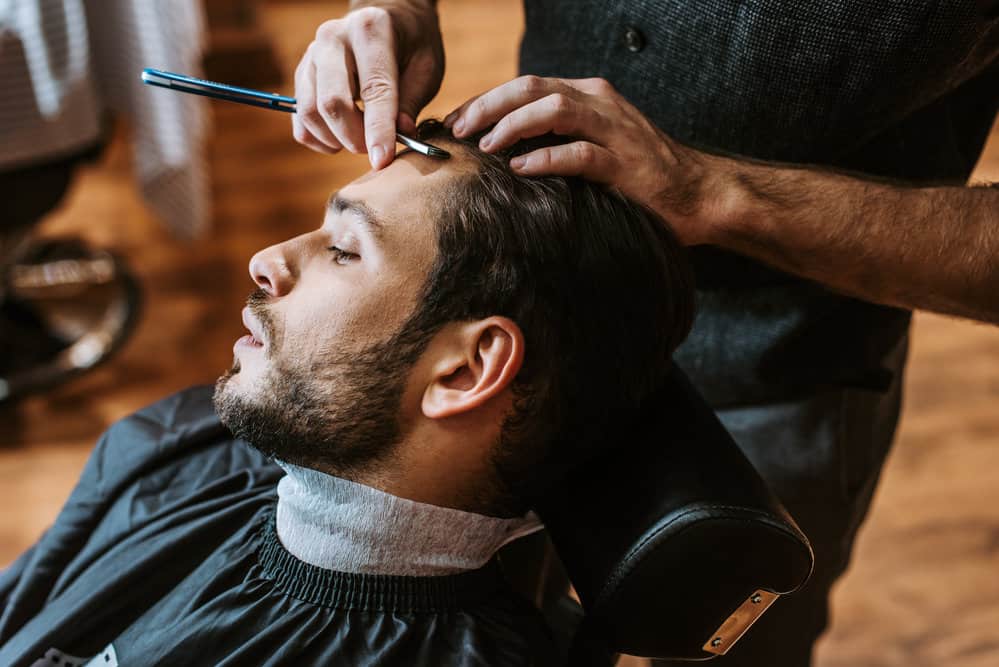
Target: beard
338, 413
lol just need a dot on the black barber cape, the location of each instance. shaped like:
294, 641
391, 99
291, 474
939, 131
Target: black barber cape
166, 554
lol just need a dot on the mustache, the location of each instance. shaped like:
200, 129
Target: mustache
257, 303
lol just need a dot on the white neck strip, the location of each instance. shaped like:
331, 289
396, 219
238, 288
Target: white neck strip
341, 525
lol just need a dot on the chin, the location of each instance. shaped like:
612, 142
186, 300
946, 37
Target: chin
243, 373
229, 385
230, 399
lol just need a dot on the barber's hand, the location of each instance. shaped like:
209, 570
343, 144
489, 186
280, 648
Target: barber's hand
389, 55
615, 144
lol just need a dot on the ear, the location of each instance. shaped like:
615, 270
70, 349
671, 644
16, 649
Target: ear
475, 362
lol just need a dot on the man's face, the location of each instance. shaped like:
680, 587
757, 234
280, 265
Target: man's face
319, 378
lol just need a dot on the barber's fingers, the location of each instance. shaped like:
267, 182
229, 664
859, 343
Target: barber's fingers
335, 93
578, 158
482, 111
451, 120
557, 113
308, 125
304, 137
373, 44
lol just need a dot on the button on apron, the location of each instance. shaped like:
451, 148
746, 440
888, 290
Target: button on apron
634, 39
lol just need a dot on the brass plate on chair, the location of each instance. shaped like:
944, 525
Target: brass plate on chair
740, 620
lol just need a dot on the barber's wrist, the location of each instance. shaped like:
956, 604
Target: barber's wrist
734, 210
704, 200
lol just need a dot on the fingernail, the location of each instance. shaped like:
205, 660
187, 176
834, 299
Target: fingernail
459, 127
485, 141
376, 156
449, 120
518, 162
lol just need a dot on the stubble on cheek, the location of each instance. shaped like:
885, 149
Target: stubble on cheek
332, 343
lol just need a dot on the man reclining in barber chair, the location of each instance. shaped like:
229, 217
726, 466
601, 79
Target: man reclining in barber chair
421, 369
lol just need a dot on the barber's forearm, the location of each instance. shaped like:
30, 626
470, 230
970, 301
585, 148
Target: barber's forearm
927, 248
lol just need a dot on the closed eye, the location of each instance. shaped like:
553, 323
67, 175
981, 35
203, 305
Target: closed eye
341, 256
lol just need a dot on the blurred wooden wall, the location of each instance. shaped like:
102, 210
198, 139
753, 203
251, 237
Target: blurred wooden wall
923, 590
239, 51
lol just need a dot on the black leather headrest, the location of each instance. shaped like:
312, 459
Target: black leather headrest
670, 530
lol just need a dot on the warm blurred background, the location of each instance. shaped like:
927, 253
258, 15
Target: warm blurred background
923, 589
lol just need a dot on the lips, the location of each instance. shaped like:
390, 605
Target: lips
251, 324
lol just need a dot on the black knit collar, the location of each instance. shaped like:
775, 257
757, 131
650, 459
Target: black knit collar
371, 592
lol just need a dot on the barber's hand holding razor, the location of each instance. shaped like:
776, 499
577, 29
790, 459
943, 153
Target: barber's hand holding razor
389, 55
614, 144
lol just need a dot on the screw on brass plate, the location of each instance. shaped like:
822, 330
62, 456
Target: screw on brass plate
716, 642
756, 599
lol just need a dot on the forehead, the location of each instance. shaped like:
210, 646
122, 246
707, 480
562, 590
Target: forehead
406, 194
405, 197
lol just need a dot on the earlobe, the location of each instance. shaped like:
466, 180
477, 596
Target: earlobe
480, 362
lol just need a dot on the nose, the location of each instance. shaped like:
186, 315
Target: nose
269, 269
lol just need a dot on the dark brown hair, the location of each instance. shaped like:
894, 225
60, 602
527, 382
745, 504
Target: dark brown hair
600, 286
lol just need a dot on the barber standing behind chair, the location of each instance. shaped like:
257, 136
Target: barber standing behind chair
806, 274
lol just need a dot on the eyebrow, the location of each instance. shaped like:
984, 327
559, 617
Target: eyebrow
339, 204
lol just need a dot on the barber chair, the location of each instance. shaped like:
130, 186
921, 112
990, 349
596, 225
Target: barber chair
673, 542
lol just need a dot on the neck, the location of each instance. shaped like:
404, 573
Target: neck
342, 525
441, 466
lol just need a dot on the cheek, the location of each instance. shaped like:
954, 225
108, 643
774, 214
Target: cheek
317, 323
314, 327
386, 308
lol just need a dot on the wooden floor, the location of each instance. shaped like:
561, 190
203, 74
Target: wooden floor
924, 588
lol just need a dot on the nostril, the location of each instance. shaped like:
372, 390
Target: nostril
270, 271
260, 272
